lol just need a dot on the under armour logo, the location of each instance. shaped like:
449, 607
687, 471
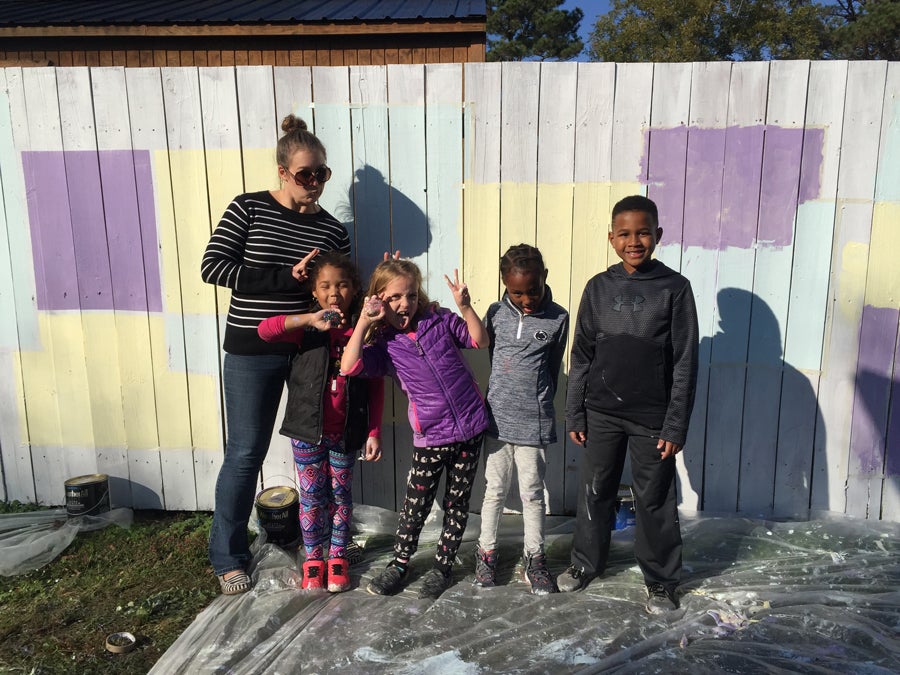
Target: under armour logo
635, 304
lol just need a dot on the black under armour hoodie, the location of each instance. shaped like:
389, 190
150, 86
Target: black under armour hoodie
634, 353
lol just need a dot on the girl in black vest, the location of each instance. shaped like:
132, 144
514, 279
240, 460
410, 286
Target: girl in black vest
328, 417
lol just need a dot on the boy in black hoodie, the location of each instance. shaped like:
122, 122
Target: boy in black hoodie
632, 377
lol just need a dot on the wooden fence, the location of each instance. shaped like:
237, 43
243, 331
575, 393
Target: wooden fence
779, 191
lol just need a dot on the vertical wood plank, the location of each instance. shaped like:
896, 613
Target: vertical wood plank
225, 178
665, 165
99, 262
555, 203
331, 89
17, 297
847, 479
170, 373
371, 164
800, 421
594, 113
727, 347
71, 452
518, 153
779, 192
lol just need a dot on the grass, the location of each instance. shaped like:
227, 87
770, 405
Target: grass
150, 580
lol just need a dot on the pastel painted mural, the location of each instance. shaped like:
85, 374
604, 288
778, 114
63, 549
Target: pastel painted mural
778, 187
106, 233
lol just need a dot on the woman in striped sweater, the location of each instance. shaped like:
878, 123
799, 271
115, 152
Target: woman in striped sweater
260, 250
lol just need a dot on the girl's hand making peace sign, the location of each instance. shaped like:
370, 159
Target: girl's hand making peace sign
460, 291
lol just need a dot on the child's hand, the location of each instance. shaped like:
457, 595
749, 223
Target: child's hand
460, 291
373, 309
325, 319
395, 256
578, 437
299, 270
373, 449
669, 449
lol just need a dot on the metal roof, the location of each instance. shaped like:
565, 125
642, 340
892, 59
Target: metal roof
118, 12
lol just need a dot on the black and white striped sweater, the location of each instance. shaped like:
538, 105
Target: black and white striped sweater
252, 251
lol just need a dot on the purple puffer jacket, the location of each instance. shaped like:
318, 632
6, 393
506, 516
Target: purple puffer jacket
445, 404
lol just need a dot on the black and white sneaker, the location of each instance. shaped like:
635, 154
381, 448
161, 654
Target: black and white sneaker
573, 579
660, 599
434, 582
389, 581
538, 576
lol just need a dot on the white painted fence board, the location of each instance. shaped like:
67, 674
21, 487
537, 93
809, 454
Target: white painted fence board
555, 176
148, 132
594, 110
771, 285
856, 184
715, 469
800, 419
15, 457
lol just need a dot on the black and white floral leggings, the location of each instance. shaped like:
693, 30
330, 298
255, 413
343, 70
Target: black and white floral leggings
461, 461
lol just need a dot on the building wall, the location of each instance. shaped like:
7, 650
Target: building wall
779, 193
236, 50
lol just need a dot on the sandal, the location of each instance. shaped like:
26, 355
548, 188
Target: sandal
235, 584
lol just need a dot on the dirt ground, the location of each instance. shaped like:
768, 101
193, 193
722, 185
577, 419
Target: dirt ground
150, 580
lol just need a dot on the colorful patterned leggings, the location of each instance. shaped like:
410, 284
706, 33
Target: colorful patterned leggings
461, 461
326, 498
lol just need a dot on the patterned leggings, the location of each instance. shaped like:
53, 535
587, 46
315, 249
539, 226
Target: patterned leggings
326, 499
461, 461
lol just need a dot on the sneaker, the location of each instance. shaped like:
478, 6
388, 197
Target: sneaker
389, 581
485, 567
353, 554
434, 582
338, 579
660, 599
313, 575
573, 579
538, 576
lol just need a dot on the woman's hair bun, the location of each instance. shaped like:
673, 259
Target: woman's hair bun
292, 123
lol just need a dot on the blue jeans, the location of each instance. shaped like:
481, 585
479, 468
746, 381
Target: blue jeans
253, 386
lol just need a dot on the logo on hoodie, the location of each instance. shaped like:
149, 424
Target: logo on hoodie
541, 335
636, 305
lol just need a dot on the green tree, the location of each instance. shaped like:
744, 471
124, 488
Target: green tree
709, 30
865, 29
521, 29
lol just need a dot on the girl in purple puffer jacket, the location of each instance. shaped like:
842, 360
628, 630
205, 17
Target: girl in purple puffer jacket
400, 333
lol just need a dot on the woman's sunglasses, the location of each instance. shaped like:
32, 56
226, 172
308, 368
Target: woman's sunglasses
304, 177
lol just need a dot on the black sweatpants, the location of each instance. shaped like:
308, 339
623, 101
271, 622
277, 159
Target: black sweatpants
461, 462
657, 538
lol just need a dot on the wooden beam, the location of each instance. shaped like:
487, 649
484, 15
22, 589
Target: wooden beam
245, 30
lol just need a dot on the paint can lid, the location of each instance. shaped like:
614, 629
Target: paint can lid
277, 496
120, 643
87, 479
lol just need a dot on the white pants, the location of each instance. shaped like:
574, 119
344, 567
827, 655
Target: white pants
530, 464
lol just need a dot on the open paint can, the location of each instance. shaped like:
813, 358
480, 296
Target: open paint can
624, 508
87, 495
278, 512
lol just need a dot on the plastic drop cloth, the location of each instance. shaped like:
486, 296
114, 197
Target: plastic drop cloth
28, 541
758, 597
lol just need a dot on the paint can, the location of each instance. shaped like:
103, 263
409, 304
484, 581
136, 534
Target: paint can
87, 495
278, 512
624, 508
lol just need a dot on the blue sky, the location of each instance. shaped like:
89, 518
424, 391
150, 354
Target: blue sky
592, 9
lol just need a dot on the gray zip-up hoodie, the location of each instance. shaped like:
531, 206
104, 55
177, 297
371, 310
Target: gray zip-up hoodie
526, 352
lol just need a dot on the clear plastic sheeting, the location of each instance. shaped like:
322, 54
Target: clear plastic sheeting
28, 541
758, 597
